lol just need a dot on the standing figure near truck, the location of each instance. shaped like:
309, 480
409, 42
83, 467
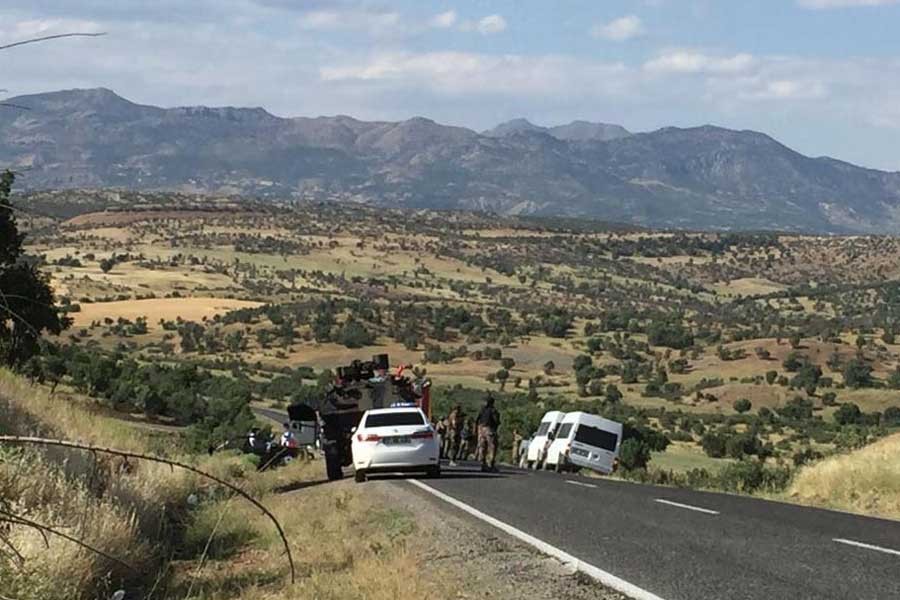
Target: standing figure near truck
488, 424
454, 432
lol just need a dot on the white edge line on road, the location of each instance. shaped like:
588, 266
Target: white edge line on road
607, 579
587, 485
866, 546
687, 506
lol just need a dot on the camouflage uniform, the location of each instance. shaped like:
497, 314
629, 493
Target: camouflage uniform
488, 424
516, 440
454, 431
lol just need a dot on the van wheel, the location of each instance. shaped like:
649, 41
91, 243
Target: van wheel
360, 476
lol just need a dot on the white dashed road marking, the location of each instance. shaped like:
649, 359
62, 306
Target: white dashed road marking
867, 546
587, 485
687, 506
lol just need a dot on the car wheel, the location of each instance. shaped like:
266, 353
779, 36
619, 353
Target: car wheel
359, 476
530, 464
433, 472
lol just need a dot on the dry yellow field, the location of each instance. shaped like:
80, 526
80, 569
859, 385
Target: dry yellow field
154, 309
865, 481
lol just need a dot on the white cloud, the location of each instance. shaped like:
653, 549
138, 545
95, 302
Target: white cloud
825, 4
619, 30
443, 20
374, 22
690, 61
491, 24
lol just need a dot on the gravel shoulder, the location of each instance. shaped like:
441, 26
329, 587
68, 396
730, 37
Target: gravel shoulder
475, 560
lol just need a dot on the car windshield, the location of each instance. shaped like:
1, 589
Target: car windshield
393, 419
542, 430
564, 431
599, 438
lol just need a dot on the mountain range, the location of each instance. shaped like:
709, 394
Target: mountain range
698, 178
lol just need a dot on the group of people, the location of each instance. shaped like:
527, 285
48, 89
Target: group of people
463, 437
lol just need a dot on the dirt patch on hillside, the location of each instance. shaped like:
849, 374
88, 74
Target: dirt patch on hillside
481, 561
189, 309
113, 218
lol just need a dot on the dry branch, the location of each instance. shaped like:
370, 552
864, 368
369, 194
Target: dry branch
20, 520
14, 439
50, 37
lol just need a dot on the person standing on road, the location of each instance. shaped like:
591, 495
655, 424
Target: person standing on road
442, 433
465, 440
516, 440
488, 423
454, 432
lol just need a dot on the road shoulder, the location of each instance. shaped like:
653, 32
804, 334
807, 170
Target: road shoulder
480, 561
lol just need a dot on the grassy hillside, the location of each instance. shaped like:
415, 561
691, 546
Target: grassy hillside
210, 547
865, 481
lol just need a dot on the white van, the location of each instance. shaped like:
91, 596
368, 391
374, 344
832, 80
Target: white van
537, 449
585, 440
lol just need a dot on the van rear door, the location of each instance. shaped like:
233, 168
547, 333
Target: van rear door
594, 448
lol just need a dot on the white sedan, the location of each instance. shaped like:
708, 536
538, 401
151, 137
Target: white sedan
390, 440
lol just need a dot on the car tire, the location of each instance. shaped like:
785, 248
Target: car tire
359, 476
433, 472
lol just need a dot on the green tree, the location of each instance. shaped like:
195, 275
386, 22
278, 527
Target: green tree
613, 395
857, 374
743, 405
893, 380
27, 304
502, 376
634, 454
771, 376
792, 363
848, 414
353, 334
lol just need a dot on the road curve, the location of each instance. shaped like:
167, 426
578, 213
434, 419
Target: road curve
687, 545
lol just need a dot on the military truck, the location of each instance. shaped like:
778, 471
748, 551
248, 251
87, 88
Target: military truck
358, 387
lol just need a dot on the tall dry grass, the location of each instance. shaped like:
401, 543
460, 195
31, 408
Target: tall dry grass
345, 544
864, 481
132, 510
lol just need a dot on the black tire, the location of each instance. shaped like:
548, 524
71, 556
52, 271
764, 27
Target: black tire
359, 476
433, 472
333, 466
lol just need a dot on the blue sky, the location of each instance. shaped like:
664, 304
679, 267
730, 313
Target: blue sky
822, 76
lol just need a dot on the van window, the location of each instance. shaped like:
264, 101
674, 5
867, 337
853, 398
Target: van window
542, 430
599, 438
393, 419
564, 430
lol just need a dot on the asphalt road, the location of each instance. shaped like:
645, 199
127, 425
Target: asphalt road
688, 545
